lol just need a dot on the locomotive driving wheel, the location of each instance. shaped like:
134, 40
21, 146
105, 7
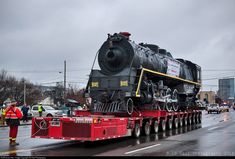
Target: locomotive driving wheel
169, 107
130, 106
175, 105
161, 106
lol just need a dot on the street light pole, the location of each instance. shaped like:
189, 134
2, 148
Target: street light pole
24, 92
64, 81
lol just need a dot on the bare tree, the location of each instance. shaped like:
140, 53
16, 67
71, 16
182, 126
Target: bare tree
10, 87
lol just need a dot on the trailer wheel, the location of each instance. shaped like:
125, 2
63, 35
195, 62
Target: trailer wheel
176, 121
199, 118
136, 130
163, 125
146, 128
155, 127
189, 120
185, 121
181, 122
193, 119
169, 124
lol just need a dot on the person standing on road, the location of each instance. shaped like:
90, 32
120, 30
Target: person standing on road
25, 110
3, 115
13, 116
40, 109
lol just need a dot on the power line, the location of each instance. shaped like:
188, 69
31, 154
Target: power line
45, 71
217, 78
218, 70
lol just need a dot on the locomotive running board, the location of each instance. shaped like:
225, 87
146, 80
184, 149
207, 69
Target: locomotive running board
160, 74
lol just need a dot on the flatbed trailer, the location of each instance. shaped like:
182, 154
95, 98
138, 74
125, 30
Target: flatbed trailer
85, 126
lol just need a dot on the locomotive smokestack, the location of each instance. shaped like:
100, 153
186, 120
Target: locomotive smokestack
126, 34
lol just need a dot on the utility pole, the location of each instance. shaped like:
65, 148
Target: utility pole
24, 92
64, 81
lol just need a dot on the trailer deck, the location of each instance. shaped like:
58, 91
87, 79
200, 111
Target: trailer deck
85, 126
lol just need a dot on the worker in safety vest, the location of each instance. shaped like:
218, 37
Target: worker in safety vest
3, 115
40, 109
13, 116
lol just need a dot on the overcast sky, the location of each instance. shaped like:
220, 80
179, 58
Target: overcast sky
36, 36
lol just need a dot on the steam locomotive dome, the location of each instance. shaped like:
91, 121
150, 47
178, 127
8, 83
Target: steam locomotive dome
115, 54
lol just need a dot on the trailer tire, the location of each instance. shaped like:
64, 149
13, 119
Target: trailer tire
181, 122
189, 120
155, 127
193, 119
136, 131
146, 128
199, 118
196, 119
163, 125
169, 124
176, 123
185, 121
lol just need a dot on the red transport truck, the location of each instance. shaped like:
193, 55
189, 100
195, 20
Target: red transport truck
84, 126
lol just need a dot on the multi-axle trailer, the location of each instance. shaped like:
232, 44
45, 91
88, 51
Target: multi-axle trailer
87, 126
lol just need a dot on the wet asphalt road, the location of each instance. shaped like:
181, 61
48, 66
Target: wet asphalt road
214, 137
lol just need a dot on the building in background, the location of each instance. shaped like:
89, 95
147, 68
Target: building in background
208, 96
226, 89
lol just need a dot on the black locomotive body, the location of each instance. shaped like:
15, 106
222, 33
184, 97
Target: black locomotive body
141, 76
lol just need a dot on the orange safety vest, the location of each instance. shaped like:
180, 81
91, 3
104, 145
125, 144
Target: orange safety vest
13, 113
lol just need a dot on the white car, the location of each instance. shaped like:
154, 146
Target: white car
47, 111
213, 108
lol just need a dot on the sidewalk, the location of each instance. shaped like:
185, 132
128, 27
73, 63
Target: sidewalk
21, 123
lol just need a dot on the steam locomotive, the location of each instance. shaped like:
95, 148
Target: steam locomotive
141, 76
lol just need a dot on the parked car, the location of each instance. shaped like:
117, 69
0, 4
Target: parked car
47, 111
224, 107
66, 110
214, 108
201, 105
29, 112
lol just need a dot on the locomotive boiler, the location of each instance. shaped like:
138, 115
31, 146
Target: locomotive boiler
141, 76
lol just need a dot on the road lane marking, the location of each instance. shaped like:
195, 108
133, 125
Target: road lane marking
16, 151
129, 152
214, 128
